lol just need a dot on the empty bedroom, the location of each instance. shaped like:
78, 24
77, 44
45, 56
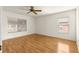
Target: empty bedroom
39, 29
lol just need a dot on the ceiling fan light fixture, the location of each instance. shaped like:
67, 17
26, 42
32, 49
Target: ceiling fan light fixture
33, 10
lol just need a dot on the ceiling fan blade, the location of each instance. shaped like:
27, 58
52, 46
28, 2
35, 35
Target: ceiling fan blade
28, 12
34, 12
31, 7
38, 10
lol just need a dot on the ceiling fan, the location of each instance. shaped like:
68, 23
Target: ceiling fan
33, 10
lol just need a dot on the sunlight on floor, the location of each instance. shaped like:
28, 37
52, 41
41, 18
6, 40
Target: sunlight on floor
63, 48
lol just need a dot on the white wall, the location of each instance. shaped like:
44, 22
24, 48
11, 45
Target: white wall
47, 25
77, 26
0, 24
30, 25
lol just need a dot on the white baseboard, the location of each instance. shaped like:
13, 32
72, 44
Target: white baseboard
56, 37
17, 36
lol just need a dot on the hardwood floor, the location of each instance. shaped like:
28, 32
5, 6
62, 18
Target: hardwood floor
38, 44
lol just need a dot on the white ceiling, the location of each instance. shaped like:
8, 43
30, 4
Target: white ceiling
45, 9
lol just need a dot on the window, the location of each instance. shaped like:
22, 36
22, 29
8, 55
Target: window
12, 25
16, 25
63, 25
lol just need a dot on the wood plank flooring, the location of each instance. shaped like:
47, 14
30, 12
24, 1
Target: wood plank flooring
38, 44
